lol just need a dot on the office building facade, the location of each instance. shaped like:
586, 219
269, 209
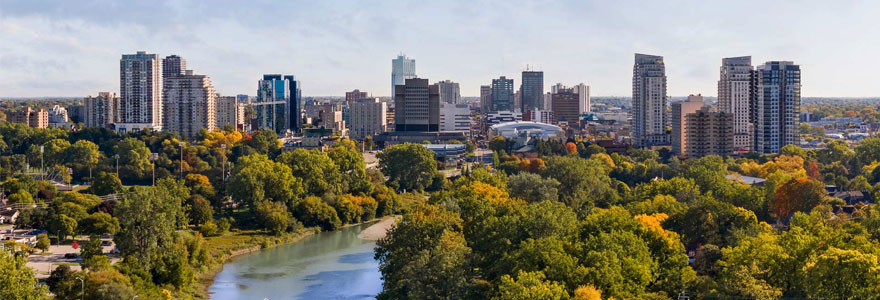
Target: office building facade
277, 105
173, 65
402, 68
649, 101
565, 107
455, 117
532, 90
502, 95
417, 106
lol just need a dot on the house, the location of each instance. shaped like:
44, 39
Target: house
8, 216
852, 197
757, 181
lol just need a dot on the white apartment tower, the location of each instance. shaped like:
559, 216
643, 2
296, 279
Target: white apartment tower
190, 104
649, 101
368, 117
402, 68
734, 94
140, 92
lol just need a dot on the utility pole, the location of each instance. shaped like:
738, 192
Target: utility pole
223, 172
117, 165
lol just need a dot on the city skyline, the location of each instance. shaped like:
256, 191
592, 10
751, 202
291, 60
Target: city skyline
71, 48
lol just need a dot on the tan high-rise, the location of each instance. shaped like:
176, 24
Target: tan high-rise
680, 110
190, 104
734, 92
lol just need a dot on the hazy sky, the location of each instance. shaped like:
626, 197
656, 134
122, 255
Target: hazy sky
72, 48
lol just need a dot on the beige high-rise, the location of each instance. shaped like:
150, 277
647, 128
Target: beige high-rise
230, 111
368, 118
680, 110
734, 93
100, 111
190, 104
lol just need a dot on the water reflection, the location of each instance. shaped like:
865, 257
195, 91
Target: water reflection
330, 265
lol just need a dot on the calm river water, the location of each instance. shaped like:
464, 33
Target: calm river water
329, 265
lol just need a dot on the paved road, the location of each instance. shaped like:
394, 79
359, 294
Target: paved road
44, 264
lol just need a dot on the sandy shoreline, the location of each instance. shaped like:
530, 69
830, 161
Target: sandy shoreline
379, 230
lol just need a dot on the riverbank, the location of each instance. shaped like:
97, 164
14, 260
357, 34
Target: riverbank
227, 247
379, 230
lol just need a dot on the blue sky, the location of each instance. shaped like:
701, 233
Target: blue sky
72, 48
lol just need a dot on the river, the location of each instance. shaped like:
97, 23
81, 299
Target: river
328, 265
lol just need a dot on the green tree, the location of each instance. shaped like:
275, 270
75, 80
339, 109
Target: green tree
22, 197
264, 141
147, 217
530, 286
411, 166
313, 211
200, 210
43, 242
273, 216
134, 158
414, 248
318, 172
583, 183
369, 143
352, 169
106, 184
53, 152
18, 280
533, 188
99, 223
256, 179
84, 153
63, 226
93, 254
843, 274
349, 211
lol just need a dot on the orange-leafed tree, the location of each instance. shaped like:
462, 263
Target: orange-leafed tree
571, 148
797, 194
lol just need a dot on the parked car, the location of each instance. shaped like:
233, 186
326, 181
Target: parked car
71, 255
106, 243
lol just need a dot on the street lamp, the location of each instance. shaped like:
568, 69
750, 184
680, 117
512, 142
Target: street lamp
42, 171
181, 144
69, 172
154, 157
82, 290
223, 172
117, 165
